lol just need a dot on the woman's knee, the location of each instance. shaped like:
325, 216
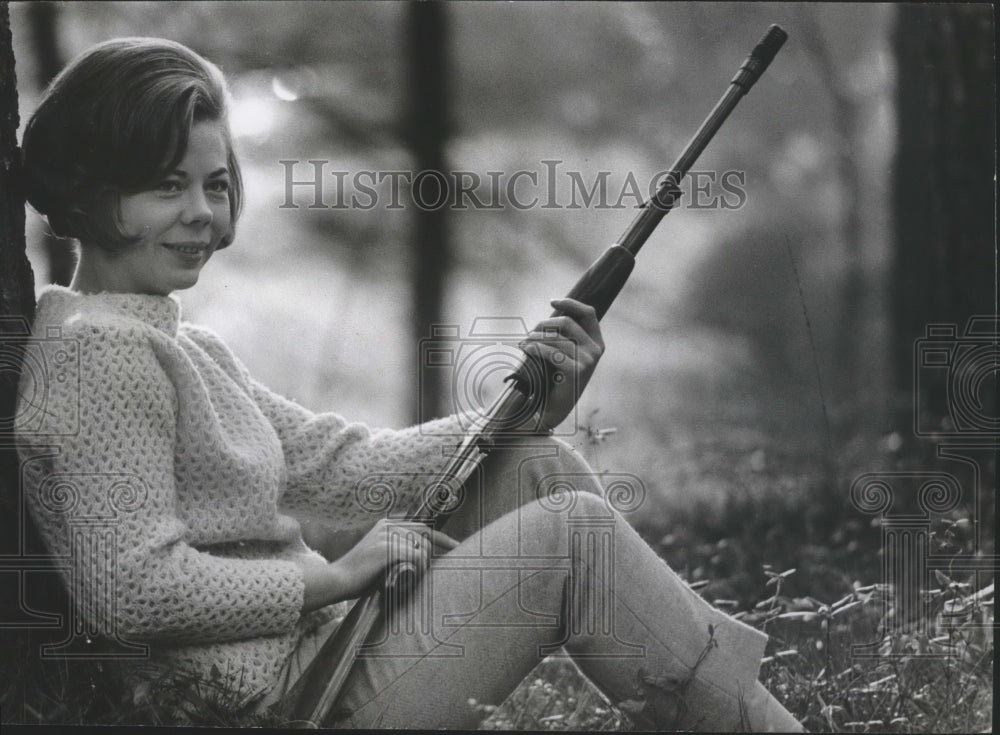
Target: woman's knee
550, 466
547, 526
564, 505
519, 473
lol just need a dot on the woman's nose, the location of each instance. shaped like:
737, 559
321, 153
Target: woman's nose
196, 208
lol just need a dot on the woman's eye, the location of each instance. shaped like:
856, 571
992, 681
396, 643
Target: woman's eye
169, 186
220, 186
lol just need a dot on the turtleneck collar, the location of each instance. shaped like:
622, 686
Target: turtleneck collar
58, 304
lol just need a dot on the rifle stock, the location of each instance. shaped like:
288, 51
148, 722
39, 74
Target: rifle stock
597, 287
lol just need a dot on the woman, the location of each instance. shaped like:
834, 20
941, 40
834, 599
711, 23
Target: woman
201, 473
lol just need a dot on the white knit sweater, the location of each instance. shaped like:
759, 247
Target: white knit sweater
133, 423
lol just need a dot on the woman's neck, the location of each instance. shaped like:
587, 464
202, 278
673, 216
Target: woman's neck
99, 271
91, 276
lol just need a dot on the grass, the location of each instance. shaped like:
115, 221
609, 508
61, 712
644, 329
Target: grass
809, 668
803, 566
931, 673
811, 671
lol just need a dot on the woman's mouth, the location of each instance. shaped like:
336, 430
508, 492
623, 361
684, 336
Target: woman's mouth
186, 248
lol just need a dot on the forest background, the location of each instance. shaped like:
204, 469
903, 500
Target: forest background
766, 352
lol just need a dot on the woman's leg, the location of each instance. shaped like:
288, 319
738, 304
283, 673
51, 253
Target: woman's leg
518, 472
564, 573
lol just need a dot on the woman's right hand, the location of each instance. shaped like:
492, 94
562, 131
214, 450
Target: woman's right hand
387, 543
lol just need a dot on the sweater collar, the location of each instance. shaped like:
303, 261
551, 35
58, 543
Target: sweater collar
161, 312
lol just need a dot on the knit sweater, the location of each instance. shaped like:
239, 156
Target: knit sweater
132, 422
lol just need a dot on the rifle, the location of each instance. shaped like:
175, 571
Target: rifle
518, 402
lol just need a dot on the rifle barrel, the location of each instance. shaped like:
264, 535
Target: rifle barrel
667, 193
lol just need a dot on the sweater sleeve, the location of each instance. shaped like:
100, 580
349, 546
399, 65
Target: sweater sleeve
349, 472
344, 472
106, 501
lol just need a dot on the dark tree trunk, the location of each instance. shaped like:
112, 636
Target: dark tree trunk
35, 615
17, 293
43, 23
426, 125
943, 196
23, 594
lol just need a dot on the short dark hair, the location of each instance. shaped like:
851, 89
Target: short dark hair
115, 121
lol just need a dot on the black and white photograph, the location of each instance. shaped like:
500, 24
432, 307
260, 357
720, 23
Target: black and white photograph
429, 365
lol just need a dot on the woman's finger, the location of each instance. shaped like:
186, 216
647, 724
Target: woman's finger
583, 315
563, 327
443, 540
561, 358
424, 537
565, 332
409, 547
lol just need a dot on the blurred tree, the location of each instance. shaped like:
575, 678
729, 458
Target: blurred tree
846, 124
426, 128
17, 305
19, 618
43, 22
944, 186
618, 89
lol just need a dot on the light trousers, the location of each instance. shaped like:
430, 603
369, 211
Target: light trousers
548, 566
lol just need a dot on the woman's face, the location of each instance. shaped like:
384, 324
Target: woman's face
180, 221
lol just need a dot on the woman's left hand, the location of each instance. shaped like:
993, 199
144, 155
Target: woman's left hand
332, 543
570, 345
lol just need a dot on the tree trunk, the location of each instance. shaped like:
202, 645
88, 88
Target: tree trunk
943, 203
426, 125
17, 292
43, 23
19, 540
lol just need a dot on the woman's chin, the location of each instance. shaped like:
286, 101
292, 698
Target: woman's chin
185, 284
180, 283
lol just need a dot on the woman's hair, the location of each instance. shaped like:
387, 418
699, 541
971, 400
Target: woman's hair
115, 121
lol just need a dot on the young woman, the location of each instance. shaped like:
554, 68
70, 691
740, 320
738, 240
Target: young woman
236, 526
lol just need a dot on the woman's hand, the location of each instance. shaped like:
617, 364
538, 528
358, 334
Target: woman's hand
570, 345
331, 542
387, 543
